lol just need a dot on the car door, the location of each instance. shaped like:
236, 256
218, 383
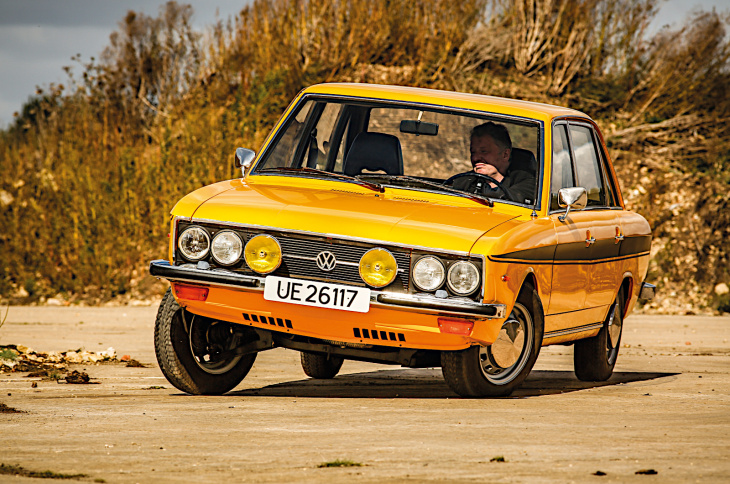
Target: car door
584, 276
570, 278
604, 240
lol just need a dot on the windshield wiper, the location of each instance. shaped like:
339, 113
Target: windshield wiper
484, 200
372, 186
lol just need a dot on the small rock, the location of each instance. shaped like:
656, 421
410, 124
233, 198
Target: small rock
132, 363
721, 289
125, 358
34, 385
646, 472
77, 377
599, 473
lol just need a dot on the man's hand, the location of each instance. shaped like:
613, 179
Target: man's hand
489, 170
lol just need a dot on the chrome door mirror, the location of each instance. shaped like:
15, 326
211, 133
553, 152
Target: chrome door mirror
243, 159
574, 198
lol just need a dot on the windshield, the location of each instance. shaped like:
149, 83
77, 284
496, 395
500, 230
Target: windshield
414, 147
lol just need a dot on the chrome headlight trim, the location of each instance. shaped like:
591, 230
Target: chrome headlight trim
188, 231
470, 266
239, 247
425, 260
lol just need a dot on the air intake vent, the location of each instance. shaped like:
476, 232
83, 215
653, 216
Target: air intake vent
406, 199
378, 335
284, 323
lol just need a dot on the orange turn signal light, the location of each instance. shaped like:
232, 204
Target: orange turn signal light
191, 293
461, 327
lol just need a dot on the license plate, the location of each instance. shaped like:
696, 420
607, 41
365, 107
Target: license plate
317, 294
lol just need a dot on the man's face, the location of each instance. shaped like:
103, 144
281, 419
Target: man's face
487, 155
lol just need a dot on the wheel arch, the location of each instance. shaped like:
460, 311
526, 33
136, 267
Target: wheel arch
627, 285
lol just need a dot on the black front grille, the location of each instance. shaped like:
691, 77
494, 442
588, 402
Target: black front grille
300, 253
299, 261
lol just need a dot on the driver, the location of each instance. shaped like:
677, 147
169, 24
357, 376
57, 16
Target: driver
491, 155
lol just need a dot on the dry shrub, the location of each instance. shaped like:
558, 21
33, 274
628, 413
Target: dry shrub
89, 171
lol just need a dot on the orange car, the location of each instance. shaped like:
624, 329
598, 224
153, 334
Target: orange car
407, 226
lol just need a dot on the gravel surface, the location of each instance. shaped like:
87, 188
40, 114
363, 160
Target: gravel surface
663, 417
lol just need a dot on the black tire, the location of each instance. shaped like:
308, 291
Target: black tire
320, 366
182, 368
594, 358
496, 370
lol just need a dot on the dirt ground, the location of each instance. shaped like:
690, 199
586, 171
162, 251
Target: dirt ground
667, 409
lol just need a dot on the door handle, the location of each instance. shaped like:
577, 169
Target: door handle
619, 236
590, 240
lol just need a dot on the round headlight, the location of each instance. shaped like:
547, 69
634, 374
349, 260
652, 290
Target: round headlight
226, 247
428, 274
263, 254
463, 278
378, 267
194, 243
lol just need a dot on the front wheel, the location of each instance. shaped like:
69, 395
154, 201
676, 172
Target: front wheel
197, 355
594, 358
496, 370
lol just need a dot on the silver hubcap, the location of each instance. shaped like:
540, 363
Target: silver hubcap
507, 356
614, 326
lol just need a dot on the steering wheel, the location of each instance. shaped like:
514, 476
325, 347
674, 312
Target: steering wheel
488, 178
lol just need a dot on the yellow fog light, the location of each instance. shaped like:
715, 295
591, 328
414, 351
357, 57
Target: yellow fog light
378, 267
263, 254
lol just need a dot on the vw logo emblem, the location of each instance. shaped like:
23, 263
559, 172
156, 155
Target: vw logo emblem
326, 261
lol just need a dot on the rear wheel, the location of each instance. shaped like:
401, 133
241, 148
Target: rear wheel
196, 354
496, 370
320, 366
594, 358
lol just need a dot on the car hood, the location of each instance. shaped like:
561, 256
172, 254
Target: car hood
397, 216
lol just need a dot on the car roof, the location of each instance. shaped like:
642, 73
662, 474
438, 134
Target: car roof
480, 102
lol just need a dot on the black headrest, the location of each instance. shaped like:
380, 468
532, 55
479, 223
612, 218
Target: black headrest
374, 152
523, 160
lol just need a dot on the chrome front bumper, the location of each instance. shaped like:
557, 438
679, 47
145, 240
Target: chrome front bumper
421, 302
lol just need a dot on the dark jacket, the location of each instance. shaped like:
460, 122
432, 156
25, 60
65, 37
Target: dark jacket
520, 183
520, 180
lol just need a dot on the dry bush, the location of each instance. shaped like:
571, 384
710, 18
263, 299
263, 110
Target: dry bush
89, 170
558, 40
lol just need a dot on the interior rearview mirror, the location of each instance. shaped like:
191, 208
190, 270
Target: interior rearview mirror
417, 127
574, 198
243, 159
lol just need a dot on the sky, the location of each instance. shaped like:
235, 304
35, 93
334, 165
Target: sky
39, 37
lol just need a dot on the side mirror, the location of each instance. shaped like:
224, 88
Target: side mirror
243, 159
574, 198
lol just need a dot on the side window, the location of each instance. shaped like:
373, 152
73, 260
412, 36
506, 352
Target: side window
562, 175
587, 165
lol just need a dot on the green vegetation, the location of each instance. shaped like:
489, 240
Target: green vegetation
340, 463
8, 354
89, 170
13, 470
